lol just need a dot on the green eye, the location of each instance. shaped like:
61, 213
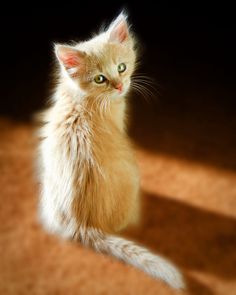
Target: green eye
99, 79
121, 67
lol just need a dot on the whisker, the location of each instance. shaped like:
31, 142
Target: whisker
148, 79
144, 87
143, 76
146, 92
142, 92
152, 85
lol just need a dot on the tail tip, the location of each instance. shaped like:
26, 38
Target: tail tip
177, 281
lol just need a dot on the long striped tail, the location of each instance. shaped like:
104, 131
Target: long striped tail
129, 252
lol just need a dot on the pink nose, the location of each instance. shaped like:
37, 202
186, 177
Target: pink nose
119, 86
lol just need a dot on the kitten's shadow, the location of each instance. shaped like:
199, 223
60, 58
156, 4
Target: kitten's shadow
193, 238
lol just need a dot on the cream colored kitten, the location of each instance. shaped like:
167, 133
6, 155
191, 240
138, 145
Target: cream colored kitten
89, 177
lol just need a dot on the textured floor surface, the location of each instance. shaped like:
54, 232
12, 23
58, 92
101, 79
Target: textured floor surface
189, 215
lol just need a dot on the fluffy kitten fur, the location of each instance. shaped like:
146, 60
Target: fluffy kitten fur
89, 177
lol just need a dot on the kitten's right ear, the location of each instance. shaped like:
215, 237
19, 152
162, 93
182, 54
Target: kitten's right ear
71, 58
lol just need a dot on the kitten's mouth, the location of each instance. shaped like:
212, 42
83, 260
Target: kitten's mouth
120, 90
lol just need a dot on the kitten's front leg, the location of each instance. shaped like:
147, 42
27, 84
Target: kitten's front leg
56, 218
57, 188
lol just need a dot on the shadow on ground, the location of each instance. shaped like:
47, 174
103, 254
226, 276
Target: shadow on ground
195, 239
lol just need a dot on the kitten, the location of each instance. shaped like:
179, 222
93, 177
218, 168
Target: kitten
88, 174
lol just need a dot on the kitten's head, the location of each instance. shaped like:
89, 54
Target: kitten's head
103, 65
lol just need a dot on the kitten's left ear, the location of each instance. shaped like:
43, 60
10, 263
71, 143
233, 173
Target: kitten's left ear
119, 30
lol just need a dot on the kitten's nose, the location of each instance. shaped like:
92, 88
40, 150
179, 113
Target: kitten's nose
119, 86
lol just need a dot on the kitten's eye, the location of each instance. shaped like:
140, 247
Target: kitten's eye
99, 79
121, 67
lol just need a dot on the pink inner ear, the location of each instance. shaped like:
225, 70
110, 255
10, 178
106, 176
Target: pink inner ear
70, 60
69, 57
120, 32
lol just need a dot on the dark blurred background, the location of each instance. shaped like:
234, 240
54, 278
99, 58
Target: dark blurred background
186, 137
189, 49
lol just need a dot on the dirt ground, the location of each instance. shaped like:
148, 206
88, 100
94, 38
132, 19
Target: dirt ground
187, 164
